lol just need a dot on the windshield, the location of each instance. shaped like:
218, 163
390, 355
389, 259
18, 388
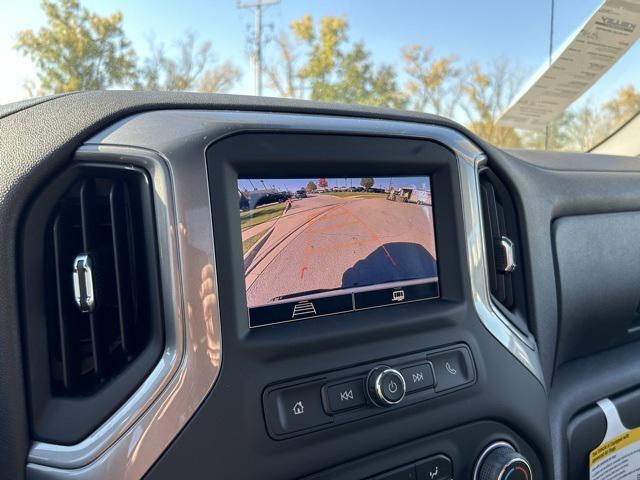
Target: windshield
493, 66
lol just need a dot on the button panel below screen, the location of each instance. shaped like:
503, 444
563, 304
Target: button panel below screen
341, 396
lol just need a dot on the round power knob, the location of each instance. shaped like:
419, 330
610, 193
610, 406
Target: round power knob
500, 461
386, 386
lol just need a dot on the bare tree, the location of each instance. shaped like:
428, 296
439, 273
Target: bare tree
221, 78
283, 73
623, 106
488, 92
554, 137
588, 126
194, 67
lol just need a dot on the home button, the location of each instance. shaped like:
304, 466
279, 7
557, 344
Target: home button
295, 408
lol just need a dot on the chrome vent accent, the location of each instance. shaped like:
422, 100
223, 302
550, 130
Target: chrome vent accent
502, 241
83, 288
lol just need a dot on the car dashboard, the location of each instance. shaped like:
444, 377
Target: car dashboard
144, 336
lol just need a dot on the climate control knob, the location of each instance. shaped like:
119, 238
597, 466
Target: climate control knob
500, 461
385, 386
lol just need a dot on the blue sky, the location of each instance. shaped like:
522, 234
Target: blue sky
471, 29
296, 184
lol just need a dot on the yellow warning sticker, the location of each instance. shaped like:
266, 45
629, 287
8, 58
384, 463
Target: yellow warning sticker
616, 445
618, 456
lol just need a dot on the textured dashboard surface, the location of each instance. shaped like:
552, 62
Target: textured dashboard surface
550, 186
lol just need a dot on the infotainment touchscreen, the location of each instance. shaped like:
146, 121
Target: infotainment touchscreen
320, 246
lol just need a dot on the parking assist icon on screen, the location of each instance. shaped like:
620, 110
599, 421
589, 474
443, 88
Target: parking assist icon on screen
397, 296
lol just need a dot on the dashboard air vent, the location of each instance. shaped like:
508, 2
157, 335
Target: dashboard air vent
92, 297
502, 242
97, 235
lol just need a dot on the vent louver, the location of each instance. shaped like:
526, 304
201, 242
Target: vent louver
93, 313
502, 242
99, 218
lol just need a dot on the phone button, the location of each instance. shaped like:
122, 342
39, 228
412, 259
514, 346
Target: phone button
452, 368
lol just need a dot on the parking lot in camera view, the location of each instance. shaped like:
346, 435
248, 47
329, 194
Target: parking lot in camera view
336, 240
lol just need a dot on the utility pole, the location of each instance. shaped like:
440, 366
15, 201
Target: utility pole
257, 48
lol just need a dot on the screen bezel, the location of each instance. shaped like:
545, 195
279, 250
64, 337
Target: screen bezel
369, 287
263, 154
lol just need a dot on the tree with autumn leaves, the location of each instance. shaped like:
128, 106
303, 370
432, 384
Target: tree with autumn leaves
81, 50
316, 60
78, 50
312, 59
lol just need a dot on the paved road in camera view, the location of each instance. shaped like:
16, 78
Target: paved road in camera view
327, 242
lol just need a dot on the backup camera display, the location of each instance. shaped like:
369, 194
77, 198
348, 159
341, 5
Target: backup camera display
320, 246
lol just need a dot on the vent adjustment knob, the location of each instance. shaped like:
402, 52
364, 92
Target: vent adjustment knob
505, 255
83, 289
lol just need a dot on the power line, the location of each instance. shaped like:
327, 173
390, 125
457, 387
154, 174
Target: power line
553, 10
257, 49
